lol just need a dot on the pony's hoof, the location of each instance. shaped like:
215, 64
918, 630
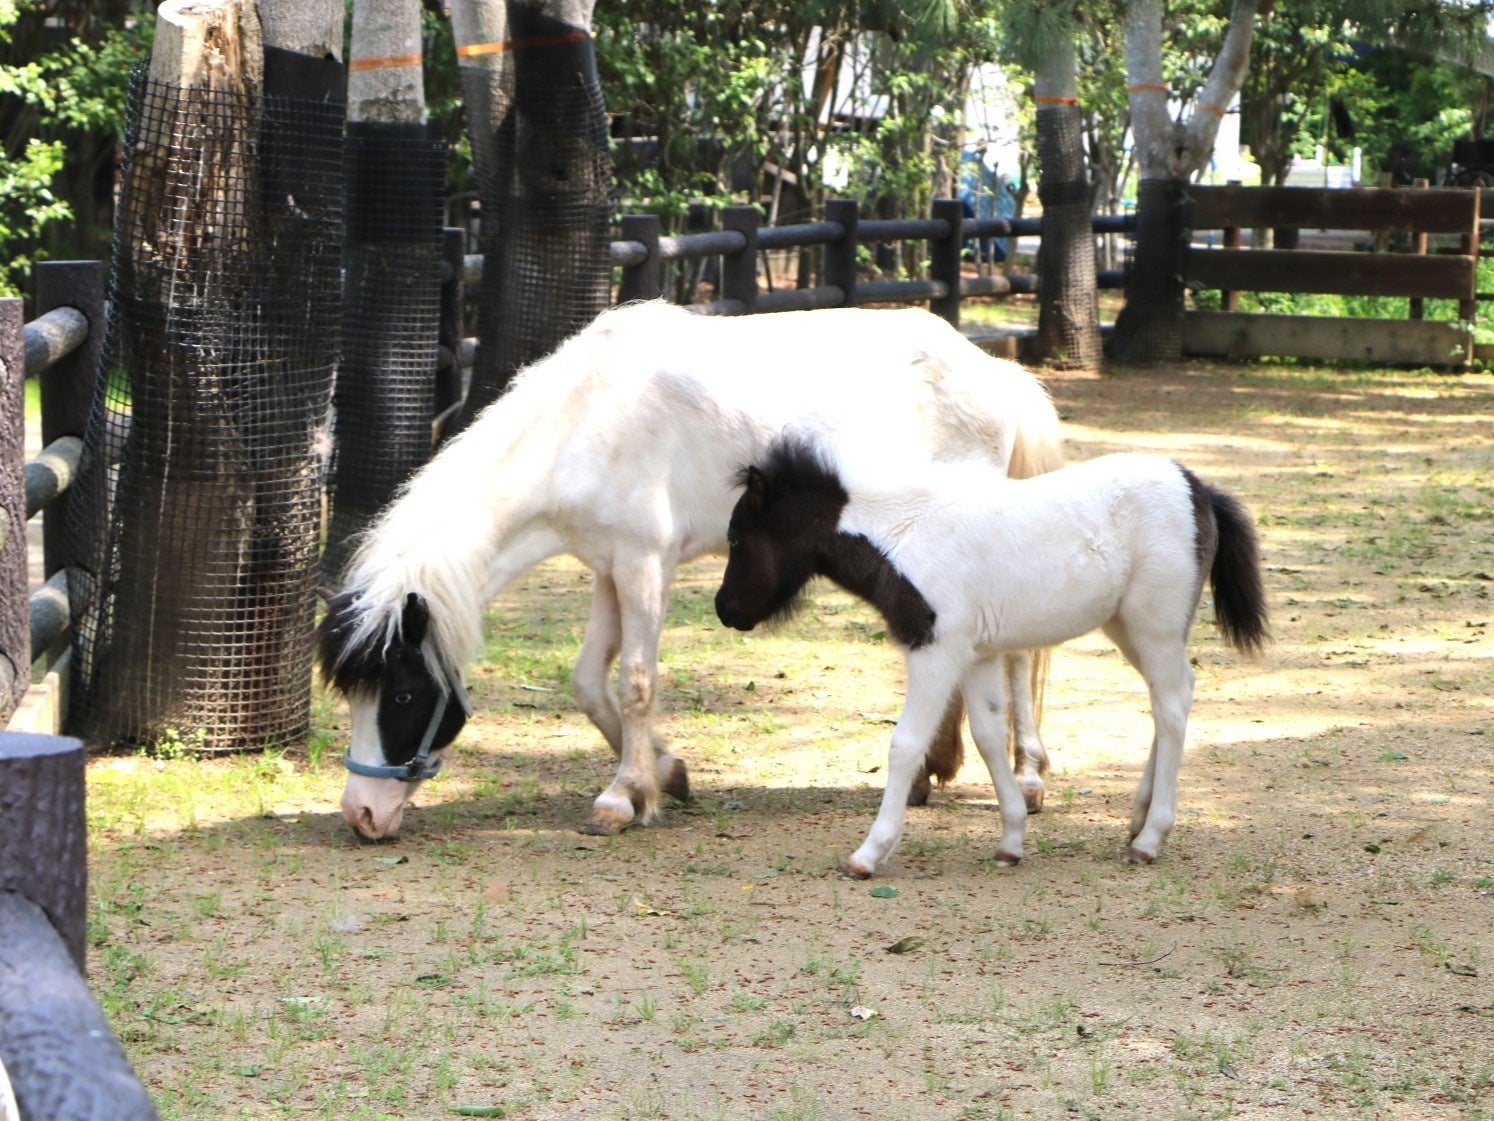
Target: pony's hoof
609, 818
1032, 794
919, 795
1008, 859
1135, 855
676, 782
855, 871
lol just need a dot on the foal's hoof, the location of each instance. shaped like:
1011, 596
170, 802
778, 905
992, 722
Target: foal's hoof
854, 871
1135, 855
675, 781
1008, 859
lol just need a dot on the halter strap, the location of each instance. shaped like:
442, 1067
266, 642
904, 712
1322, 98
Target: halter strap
420, 767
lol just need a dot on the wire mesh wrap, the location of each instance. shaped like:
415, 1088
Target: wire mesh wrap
1149, 328
540, 140
1068, 323
198, 501
385, 395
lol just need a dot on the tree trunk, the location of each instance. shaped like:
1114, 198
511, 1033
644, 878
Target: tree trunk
1068, 320
1149, 328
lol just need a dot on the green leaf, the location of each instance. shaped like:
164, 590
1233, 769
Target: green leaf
884, 891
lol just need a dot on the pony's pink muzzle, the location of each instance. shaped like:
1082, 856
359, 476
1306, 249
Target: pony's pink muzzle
374, 807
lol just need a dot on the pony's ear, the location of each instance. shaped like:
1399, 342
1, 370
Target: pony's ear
413, 622
327, 594
757, 489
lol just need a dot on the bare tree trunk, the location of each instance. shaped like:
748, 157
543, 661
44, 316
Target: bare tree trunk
1149, 327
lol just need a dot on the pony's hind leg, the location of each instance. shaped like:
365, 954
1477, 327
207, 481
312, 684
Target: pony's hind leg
1162, 660
590, 681
642, 581
1025, 671
945, 754
985, 691
931, 682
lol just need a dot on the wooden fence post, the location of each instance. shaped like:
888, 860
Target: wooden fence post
1416, 305
944, 259
67, 386
63, 1061
15, 612
739, 270
840, 255
645, 280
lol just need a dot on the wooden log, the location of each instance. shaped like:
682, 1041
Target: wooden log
385, 81
1436, 210
63, 1061
1349, 274
15, 653
1244, 335
43, 831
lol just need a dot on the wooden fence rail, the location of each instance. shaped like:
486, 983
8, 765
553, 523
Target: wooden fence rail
1416, 275
61, 349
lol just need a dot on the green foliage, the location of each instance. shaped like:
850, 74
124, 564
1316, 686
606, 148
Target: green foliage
62, 107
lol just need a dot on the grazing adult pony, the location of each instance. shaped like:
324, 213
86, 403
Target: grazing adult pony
620, 449
966, 565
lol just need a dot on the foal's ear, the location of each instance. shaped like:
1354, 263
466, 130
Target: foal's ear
757, 489
413, 621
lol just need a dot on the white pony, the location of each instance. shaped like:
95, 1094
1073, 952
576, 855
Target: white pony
966, 565
620, 449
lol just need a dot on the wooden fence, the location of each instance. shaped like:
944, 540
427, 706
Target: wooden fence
1415, 214
61, 349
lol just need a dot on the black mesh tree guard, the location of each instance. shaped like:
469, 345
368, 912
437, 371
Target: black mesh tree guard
1149, 328
197, 507
386, 384
1068, 322
540, 144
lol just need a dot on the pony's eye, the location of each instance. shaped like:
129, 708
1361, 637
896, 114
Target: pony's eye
403, 698
731, 540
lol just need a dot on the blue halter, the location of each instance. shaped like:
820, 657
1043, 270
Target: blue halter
421, 766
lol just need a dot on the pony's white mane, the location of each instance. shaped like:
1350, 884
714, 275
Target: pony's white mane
433, 538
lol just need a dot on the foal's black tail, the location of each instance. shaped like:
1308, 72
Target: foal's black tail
1239, 598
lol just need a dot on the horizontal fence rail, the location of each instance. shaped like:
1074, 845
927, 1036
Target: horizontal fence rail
60, 349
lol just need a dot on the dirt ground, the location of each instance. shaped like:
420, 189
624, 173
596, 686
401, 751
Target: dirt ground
1314, 941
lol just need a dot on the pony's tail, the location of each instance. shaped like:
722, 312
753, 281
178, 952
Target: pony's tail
1239, 597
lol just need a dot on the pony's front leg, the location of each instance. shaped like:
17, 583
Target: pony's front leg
931, 683
985, 689
1024, 685
592, 687
641, 583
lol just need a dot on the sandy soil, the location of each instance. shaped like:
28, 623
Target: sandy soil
1315, 940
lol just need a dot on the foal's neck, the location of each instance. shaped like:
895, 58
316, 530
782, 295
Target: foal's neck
862, 569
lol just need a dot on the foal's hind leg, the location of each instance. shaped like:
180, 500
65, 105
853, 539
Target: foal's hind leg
1162, 660
1024, 672
590, 681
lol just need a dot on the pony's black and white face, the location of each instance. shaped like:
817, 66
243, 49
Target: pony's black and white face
785, 519
392, 699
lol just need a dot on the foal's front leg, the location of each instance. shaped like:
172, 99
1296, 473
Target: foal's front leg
932, 680
1025, 671
641, 581
986, 696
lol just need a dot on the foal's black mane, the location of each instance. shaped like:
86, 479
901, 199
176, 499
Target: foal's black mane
795, 465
